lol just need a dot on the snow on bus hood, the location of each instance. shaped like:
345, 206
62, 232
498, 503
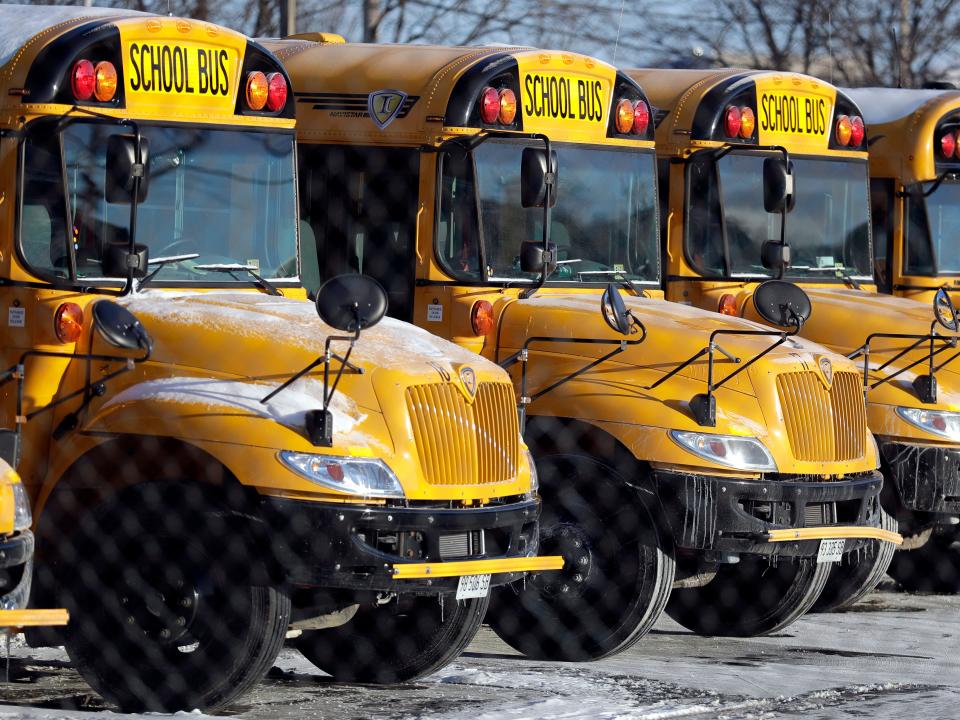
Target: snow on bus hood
250, 334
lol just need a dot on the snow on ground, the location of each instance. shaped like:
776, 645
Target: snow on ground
894, 656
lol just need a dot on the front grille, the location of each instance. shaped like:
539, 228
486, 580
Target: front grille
823, 425
463, 443
816, 514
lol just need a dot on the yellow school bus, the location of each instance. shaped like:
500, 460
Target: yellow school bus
787, 195
213, 468
914, 188
506, 198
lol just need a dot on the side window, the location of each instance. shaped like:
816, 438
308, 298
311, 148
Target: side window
881, 203
918, 257
458, 235
703, 225
43, 231
358, 214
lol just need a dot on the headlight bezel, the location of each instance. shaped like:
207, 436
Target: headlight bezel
905, 413
687, 439
22, 514
534, 477
354, 471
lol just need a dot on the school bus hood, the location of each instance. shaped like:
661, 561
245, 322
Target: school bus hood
265, 339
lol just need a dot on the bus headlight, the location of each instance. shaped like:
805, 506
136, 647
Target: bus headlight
22, 517
740, 453
534, 478
357, 476
938, 422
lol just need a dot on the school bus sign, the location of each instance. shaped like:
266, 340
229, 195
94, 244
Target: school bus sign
568, 100
788, 116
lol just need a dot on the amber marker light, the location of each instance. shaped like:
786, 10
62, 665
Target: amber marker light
748, 122
68, 322
105, 81
481, 317
624, 117
844, 130
508, 106
257, 90
728, 305
83, 79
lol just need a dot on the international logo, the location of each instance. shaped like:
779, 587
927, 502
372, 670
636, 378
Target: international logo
826, 369
384, 106
469, 380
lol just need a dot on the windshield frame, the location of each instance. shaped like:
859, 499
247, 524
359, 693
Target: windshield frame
456, 279
916, 194
705, 275
97, 285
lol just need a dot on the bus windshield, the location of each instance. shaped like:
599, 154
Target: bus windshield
227, 196
604, 223
933, 230
828, 230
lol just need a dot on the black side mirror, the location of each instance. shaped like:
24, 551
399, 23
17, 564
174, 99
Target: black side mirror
537, 181
122, 167
782, 304
351, 302
775, 255
117, 260
614, 310
120, 327
778, 194
534, 259
944, 310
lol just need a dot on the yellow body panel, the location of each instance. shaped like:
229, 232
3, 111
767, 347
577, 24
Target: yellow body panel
842, 317
612, 396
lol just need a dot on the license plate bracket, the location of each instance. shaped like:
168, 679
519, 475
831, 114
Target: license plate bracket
473, 586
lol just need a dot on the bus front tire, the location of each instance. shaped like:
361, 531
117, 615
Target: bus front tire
617, 573
403, 640
161, 619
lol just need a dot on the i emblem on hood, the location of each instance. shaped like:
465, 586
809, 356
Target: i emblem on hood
468, 378
826, 370
384, 106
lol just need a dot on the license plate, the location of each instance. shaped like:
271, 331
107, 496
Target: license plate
473, 586
831, 550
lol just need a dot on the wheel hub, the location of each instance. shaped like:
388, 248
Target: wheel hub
163, 611
572, 543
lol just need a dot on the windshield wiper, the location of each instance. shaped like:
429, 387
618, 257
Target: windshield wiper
621, 281
234, 268
160, 263
850, 280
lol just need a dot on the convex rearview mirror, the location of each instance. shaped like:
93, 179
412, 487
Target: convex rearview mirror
119, 327
944, 310
782, 303
614, 311
351, 302
538, 183
122, 168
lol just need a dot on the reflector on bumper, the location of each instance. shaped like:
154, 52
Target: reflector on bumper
410, 571
833, 532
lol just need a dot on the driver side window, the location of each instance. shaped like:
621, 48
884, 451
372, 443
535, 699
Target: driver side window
43, 231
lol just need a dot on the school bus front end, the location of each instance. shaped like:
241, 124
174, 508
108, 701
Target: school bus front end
914, 188
505, 207
215, 468
725, 238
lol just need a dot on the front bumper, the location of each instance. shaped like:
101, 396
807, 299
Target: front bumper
403, 549
926, 478
786, 518
16, 570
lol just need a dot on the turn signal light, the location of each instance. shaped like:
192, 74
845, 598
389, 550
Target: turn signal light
481, 317
857, 130
489, 105
844, 130
641, 118
276, 91
948, 144
625, 116
68, 322
731, 121
728, 305
258, 90
748, 121
105, 81
508, 106
83, 79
